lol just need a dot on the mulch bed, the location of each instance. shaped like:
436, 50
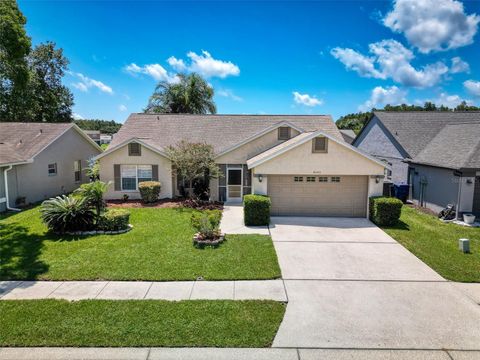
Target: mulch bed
165, 203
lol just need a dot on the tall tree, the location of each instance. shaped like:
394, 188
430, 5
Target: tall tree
190, 95
14, 73
52, 101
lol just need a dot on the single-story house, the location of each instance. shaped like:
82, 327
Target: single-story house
41, 160
436, 153
300, 161
348, 135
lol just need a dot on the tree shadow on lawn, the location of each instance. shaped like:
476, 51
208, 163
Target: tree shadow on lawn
20, 252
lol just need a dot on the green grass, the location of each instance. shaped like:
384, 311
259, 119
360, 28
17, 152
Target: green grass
436, 244
158, 248
139, 323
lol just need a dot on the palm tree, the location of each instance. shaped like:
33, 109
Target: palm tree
190, 95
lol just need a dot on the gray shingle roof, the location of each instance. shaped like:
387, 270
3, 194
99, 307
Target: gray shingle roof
415, 129
220, 131
22, 141
456, 146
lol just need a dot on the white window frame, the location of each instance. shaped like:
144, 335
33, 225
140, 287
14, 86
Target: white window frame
136, 176
79, 170
54, 167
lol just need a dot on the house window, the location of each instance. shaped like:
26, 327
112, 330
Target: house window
77, 168
284, 133
134, 149
310, 178
132, 175
335, 179
298, 178
323, 179
52, 169
320, 144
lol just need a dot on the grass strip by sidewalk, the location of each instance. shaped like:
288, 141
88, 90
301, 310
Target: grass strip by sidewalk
209, 323
436, 244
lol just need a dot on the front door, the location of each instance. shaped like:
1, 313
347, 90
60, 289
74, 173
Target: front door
234, 184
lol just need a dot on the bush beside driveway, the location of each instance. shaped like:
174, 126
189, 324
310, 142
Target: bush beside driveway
158, 248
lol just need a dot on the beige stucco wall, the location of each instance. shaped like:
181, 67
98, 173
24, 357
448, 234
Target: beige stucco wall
338, 161
255, 147
148, 157
32, 180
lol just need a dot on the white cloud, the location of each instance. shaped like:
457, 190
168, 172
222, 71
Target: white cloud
305, 99
77, 116
433, 25
449, 100
207, 66
86, 83
391, 60
459, 66
229, 94
177, 64
156, 71
122, 107
473, 87
382, 96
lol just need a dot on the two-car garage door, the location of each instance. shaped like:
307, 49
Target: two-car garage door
302, 195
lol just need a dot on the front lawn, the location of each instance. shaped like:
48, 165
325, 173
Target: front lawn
436, 244
139, 323
158, 248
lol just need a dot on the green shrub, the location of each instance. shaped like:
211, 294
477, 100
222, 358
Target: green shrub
385, 211
206, 222
149, 190
256, 210
67, 213
114, 220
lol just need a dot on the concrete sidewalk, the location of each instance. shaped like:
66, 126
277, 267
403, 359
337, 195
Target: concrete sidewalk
228, 354
139, 290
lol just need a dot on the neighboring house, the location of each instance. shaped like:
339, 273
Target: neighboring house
41, 160
301, 162
348, 135
105, 139
437, 153
94, 135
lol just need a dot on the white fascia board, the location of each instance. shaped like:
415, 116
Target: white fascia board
126, 142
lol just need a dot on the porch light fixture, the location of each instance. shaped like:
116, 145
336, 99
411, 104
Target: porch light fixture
260, 178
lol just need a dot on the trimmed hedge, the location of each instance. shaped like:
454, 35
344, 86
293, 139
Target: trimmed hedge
149, 191
256, 210
114, 220
385, 211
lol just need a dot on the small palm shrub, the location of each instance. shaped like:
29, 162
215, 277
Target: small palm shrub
114, 220
149, 191
67, 213
93, 194
207, 223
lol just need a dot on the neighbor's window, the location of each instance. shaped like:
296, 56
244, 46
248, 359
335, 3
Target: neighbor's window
132, 175
298, 178
335, 179
52, 169
284, 133
310, 178
320, 144
77, 168
322, 179
134, 149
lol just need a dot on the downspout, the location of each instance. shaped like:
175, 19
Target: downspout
5, 177
457, 214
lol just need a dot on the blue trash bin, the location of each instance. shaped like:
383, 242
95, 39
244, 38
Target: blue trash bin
401, 191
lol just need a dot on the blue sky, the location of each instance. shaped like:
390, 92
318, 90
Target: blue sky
315, 57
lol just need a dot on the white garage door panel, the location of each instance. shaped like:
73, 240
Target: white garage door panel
347, 198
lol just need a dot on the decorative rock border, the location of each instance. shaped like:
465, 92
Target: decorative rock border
99, 232
199, 242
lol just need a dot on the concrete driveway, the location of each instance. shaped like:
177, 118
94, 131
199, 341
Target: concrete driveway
350, 285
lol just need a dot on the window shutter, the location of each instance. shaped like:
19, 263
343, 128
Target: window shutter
154, 172
117, 178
